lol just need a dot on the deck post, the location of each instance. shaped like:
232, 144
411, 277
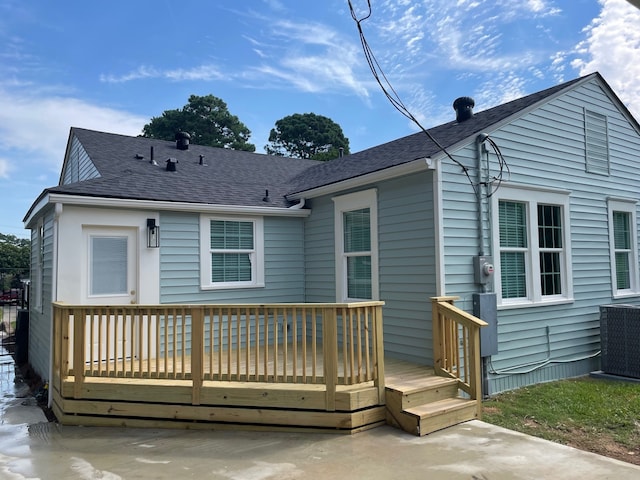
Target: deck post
379, 352
58, 336
476, 371
330, 351
197, 342
78, 351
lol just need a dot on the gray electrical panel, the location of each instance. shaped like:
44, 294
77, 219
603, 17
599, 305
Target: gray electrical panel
483, 269
485, 308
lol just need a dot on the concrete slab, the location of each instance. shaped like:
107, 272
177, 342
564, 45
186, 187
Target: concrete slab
31, 448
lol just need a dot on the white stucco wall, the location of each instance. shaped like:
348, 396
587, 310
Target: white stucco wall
72, 251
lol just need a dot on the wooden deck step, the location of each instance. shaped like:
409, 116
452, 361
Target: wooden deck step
428, 418
419, 392
421, 402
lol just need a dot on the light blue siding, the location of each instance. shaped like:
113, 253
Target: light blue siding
40, 318
407, 265
546, 148
320, 270
180, 263
78, 166
406, 262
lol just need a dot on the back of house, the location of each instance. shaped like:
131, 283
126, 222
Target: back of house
527, 212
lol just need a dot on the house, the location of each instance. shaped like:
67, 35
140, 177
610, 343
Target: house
527, 212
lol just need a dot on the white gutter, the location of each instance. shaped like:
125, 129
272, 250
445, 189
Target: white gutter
87, 201
298, 205
414, 166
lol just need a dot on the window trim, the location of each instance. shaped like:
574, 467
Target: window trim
532, 198
256, 257
347, 203
625, 206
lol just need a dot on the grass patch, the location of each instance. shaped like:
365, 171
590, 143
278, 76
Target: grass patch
597, 415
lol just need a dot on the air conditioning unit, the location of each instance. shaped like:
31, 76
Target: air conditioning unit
620, 340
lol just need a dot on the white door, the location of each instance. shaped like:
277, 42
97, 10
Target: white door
111, 279
112, 262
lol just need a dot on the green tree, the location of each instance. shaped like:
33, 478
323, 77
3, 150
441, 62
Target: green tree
307, 136
207, 119
14, 259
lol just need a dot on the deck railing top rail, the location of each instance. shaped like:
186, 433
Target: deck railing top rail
350, 305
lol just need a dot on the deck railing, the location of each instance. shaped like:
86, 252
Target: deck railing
456, 346
329, 344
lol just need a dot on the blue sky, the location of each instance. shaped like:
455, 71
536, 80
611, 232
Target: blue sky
111, 66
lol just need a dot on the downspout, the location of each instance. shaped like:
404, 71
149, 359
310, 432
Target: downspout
480, 139
298, 205
54, 294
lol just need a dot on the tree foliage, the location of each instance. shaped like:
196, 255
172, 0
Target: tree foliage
14, 258
207, 119
307, 136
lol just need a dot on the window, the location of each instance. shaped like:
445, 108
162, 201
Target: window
108, 265
232, 252
623, 242
596, 143
356, 246
532, 232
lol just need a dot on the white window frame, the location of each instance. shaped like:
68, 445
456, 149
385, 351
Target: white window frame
256, 256
347, 203
532, 198
625, 206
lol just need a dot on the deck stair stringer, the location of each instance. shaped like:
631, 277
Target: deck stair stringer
424, 405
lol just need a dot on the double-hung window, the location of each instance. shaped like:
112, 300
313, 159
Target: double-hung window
531, 236
624, 247
232, 252
356, 228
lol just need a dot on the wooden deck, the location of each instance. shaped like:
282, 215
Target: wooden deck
169, 403
274, 367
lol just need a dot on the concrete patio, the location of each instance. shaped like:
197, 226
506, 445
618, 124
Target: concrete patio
32, 448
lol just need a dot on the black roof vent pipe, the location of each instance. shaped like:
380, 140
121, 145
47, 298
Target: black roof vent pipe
182, 140
464, 108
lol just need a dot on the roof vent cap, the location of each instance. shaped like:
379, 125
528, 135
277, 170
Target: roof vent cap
171, 164
182, 140
464, 108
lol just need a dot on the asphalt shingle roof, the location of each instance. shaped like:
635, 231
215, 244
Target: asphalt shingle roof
230, 177
233, 177
415, 146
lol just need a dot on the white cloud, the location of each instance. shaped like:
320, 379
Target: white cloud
4, 168
38, 126
205, 72
612, 47
313, 58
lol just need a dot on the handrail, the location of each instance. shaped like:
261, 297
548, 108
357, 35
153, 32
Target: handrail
312, 343
456, 346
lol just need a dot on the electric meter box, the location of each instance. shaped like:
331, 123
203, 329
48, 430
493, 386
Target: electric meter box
483, 269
